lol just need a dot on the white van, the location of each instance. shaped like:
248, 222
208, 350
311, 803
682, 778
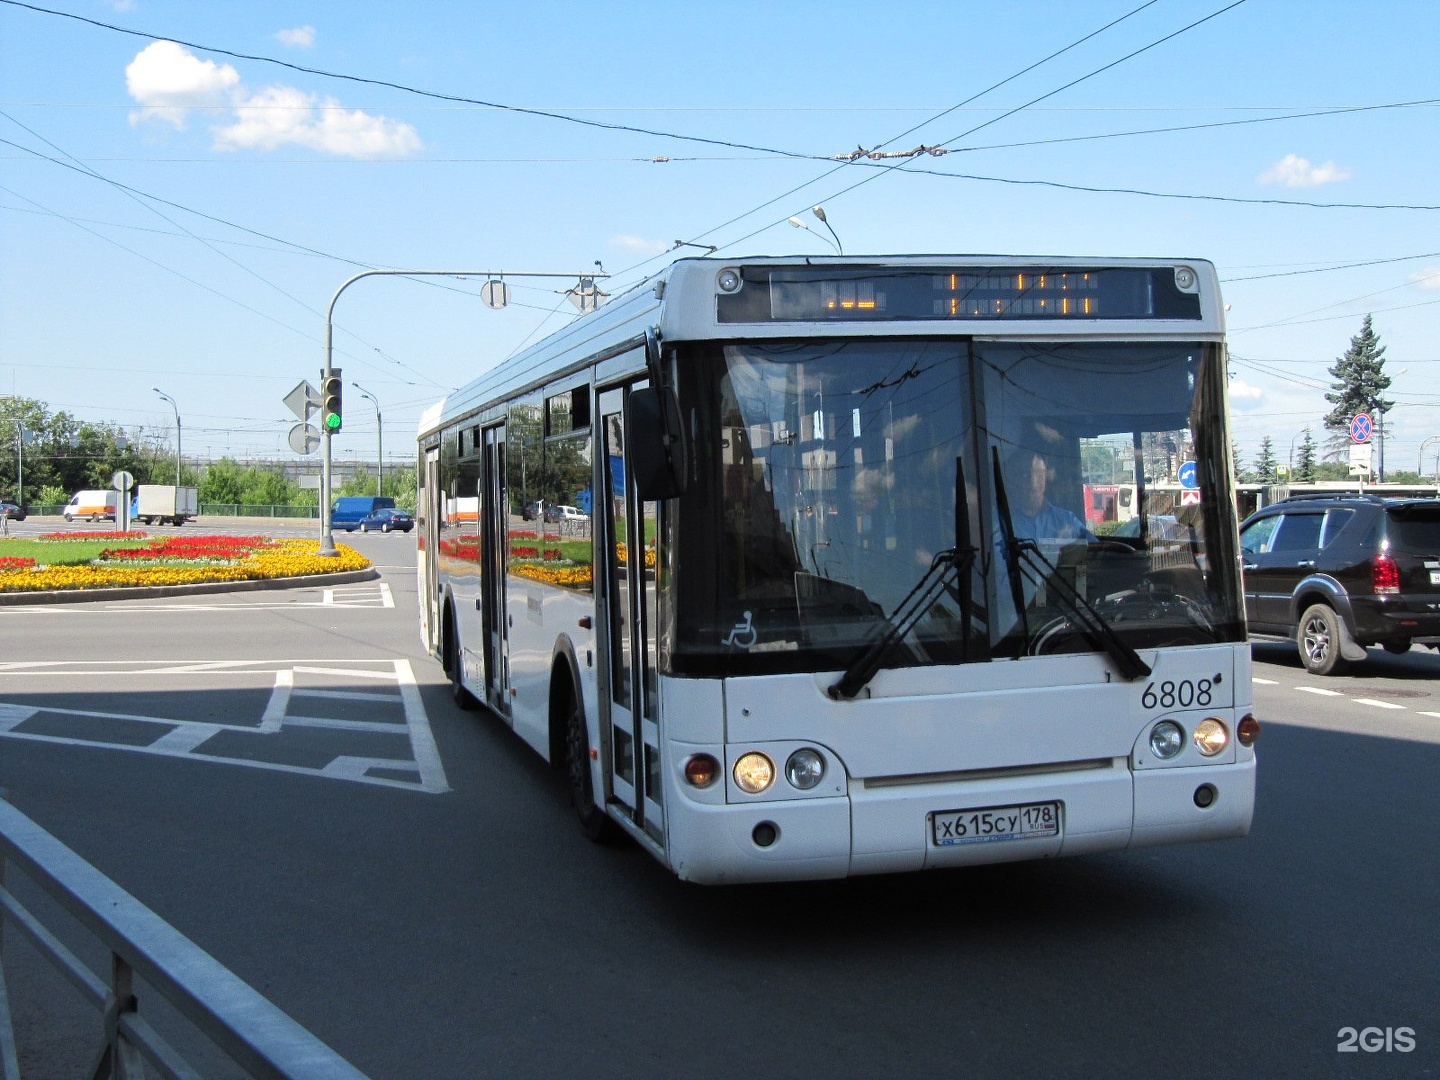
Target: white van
91, 505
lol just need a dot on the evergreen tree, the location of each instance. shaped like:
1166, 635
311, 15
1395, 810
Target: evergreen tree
1360, 380
1305, 466
1242, 475
1265, 462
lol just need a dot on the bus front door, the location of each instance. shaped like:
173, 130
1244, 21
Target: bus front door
629, 545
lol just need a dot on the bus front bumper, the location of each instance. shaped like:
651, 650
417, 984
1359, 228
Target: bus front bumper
888, 826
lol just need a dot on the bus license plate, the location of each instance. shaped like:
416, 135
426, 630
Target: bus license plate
949, 827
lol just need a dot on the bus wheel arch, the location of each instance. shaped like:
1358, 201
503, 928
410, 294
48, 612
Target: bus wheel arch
570, 744
450, 659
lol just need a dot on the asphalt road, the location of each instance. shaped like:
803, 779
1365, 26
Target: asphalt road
405, 879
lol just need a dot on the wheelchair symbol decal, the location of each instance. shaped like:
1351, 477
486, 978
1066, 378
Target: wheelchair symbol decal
742, 635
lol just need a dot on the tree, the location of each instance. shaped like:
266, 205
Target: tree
1360, 380
1265, 462
1305, 466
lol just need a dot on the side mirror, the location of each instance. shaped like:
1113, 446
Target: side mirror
654, 435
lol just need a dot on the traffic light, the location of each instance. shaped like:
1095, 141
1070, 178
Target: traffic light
330, 400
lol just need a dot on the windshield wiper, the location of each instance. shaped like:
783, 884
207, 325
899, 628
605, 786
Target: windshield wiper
920, 599
1091, 624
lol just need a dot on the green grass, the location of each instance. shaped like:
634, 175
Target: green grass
63, 552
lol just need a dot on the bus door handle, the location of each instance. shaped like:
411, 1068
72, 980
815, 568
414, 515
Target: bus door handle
1306, 564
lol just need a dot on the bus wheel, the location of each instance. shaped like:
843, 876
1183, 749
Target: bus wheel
594, 822
458, 693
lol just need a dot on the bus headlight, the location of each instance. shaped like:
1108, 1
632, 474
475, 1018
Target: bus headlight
1210, 736
1166, 740
805, 768
754, 772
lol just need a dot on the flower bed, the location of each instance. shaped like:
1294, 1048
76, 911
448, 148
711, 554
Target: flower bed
183, 561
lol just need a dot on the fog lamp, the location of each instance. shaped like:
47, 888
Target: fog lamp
754, 772
805, 768
1166, 740
1210, 736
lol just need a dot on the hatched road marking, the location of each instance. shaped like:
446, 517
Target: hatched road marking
364, 722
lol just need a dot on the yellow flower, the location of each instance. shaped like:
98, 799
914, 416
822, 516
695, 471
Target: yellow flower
282, 559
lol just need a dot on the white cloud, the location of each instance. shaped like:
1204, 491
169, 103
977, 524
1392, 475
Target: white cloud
1293, 171
640, 245
1241, 391
1429, 278
299, 37
281, 115
169, 81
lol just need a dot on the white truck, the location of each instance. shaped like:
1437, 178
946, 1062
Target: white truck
165, 504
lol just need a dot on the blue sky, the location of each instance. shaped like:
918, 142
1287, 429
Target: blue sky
179, 218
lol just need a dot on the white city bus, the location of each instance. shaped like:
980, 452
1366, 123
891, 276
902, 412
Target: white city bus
822, 600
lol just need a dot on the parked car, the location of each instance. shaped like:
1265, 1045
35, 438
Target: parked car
1337, 573
350, 510
532, 511
387, 519
12, 511
559, 514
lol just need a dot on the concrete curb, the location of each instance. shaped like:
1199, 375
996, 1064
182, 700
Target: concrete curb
80, 596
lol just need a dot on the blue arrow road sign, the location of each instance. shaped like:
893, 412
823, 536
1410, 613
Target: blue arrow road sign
1188, 478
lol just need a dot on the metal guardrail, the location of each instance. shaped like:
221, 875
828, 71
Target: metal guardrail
236, 1018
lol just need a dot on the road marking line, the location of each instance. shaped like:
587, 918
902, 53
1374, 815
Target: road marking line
1434, 714
357, 673
1264, 682
422, 739
182, 740
333, 724
1319, 690
1377, 704
279, 701
348, 695
358, 768
13, 715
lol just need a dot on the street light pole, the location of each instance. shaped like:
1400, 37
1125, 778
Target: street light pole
379, 440
1420, 465
1291, 459
171, 400
327, 539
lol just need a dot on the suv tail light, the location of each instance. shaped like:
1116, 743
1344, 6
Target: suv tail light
1384, 576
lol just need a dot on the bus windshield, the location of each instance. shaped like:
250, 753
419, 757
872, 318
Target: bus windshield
833, 477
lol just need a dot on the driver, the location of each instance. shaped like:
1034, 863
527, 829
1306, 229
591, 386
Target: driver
1027, 478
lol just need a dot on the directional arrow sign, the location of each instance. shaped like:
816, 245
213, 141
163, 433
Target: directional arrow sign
304, 438
304, 402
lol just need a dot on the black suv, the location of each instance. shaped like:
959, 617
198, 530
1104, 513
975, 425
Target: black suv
1339, 572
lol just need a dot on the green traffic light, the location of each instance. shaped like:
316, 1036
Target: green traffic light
332, 421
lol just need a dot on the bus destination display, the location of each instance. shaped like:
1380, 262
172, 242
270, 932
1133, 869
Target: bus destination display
811, 294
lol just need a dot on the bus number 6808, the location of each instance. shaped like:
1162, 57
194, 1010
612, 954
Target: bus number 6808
1183, 694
